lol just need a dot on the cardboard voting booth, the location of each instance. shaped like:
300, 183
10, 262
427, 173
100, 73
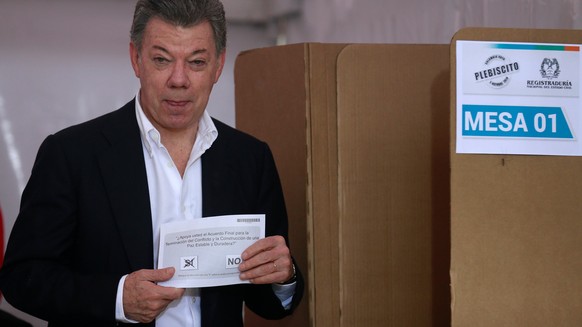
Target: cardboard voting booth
360, 135
516, 209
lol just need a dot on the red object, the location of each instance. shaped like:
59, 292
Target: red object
1, 243
1, 239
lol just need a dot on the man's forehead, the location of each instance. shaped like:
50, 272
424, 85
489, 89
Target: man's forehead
161, 34
156, 22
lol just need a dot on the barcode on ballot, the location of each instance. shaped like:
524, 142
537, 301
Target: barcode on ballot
248, 220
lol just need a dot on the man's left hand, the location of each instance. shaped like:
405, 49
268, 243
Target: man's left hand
267, 261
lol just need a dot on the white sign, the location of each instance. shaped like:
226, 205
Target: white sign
518, 98
207, 251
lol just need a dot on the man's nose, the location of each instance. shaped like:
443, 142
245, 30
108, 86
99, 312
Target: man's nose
179, 77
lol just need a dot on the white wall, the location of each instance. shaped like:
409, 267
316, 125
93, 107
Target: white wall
65, 61
425, 21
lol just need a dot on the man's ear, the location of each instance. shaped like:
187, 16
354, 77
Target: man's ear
134, 57
221, 60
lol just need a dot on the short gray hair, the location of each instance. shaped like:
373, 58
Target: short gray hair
183, 13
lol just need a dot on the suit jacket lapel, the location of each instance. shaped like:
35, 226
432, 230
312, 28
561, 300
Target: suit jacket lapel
124, 176
213, 180
218, 177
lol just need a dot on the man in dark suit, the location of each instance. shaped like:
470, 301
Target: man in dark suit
84, 246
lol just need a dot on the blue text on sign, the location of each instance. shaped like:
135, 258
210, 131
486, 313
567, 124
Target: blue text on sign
515, 121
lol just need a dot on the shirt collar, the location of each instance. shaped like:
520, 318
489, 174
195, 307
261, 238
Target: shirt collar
206, 135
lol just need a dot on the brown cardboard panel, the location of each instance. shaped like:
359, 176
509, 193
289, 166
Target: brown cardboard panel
515, 224
287, 97
385, 197
389, 116
270, 98
323, 227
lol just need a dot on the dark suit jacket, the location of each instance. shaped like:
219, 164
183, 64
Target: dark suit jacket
85, 221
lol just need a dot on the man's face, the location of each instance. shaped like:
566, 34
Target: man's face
177, 68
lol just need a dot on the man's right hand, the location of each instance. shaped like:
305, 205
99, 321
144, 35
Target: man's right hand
143, 299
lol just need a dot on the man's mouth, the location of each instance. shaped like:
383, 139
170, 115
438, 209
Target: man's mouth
175, 103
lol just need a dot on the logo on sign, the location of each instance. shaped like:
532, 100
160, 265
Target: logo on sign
550, 68
189, 263
497, 72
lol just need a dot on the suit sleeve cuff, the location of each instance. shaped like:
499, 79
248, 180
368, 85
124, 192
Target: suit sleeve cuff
285, 293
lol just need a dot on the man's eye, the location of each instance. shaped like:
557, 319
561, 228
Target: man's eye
197, 62
160, 60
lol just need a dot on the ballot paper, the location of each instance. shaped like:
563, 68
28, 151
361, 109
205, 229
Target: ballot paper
207, 251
